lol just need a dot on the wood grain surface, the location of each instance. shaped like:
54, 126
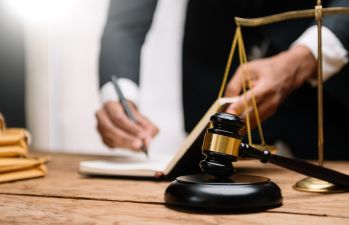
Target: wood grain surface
47, 210
64, 196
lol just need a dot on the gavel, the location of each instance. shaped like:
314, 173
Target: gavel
223, 145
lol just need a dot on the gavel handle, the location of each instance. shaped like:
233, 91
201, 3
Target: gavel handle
296, 165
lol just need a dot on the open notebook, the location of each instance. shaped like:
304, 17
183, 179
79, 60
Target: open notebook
181, 162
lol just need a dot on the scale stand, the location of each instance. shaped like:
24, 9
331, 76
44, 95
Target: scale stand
308, 184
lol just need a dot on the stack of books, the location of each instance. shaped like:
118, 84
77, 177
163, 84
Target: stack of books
15, 164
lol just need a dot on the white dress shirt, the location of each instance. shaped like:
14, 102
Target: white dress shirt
334, 55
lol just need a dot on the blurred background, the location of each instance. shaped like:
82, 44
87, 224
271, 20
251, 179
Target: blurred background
49, 53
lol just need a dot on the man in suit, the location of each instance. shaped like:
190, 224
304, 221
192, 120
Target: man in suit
281, 80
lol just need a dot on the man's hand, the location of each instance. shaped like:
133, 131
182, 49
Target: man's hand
273, 79
117, 130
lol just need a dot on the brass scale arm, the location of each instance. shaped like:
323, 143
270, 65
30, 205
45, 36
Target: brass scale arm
260, 21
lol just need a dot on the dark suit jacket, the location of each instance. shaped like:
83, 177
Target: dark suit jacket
209, 30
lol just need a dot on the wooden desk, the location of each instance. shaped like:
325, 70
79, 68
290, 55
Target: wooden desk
65, 197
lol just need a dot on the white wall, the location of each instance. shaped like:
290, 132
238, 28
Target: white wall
62, 87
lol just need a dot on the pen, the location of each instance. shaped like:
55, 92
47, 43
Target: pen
124, 104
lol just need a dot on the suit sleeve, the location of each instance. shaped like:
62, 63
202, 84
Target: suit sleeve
127, 24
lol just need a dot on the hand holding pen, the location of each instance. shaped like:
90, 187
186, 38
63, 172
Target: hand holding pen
118, 129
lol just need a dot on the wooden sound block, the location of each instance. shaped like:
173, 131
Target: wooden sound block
239, 193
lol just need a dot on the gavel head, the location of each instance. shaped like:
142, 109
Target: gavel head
221, 144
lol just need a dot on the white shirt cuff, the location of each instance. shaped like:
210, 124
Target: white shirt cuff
334, 55
128, 88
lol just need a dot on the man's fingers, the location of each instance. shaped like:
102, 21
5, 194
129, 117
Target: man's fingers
123, 140
234, 86
108, 142
266, 101
150, 129
119, 119
239, 107
268, 106
147, 125
113, 136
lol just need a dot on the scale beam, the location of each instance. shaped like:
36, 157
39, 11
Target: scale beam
298, 14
